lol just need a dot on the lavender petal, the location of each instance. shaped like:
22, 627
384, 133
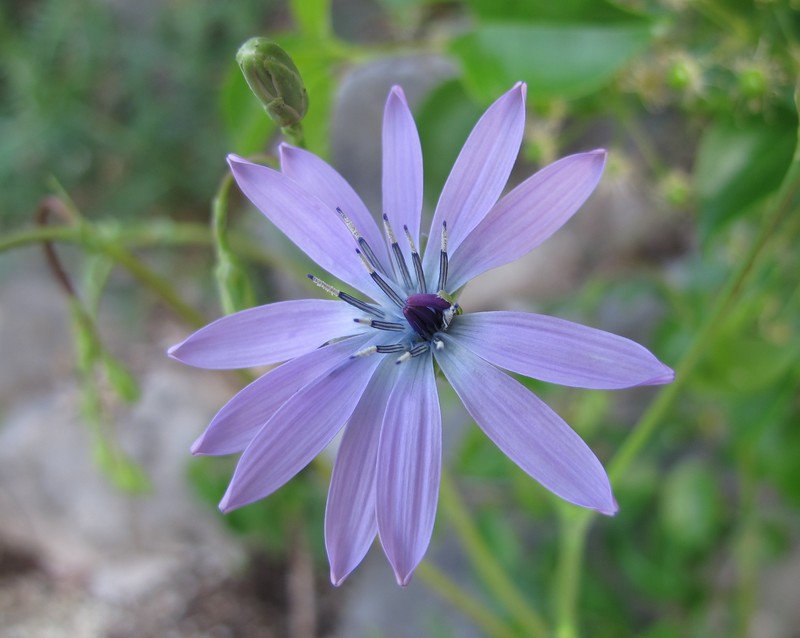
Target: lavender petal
526, 430
267, 334
350, 523
479, 174
317, 177
297, 432
527, 215
559, 351
409, 467
239, 420
305, 219
402, 169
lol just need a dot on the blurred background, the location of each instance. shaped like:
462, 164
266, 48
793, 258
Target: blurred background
124, 113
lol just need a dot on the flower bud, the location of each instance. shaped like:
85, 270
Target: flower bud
274, 79
752, 82
684, 74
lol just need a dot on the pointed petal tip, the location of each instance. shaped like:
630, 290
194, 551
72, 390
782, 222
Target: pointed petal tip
522, 87
403, 579
197, 447
226, 505
337, 581
174, 352
605, 504
667, 375
233, 158
397, 91
611, 511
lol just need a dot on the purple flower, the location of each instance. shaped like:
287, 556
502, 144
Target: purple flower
366, 362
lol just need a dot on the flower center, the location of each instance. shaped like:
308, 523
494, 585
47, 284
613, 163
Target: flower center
425, 313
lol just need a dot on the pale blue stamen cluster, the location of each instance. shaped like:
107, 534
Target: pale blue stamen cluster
413, 311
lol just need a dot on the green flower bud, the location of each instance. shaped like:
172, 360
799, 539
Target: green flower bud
274, 79
752, 82
676, 188
684, 74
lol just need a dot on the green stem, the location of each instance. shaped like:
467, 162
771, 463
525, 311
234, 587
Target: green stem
465, 603
485, 563
294, 134
702, 339
728, 21
233, 284
156, 234
157, 284
746, 547
570, 559
93, 240
219, 214
572, 543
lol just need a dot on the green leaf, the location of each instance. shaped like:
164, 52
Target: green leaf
743, 365
121, 378
312, 17
739, 163
583, 11
125, 473
556, 60
690, 505
444, 120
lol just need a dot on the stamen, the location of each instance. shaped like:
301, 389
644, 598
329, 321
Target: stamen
365, 352
443, 259
349, 223
381, 325
398, 254
395, 347
420, 348
423, 286
382, 284
357, 303
326, 287
438, 344
365, 247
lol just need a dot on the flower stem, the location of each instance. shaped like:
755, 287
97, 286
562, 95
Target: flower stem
233, 286
570, 558
464, 602
294, 134
485, 563
784, 203
107, 243
157, 284
746, 546
572, 541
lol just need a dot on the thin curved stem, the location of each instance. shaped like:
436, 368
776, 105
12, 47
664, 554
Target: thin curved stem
485, 563
156, 234
468, 605
157, 284
571, 557
571, 548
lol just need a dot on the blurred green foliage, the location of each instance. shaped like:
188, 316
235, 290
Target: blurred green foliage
134, 110
119, 102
